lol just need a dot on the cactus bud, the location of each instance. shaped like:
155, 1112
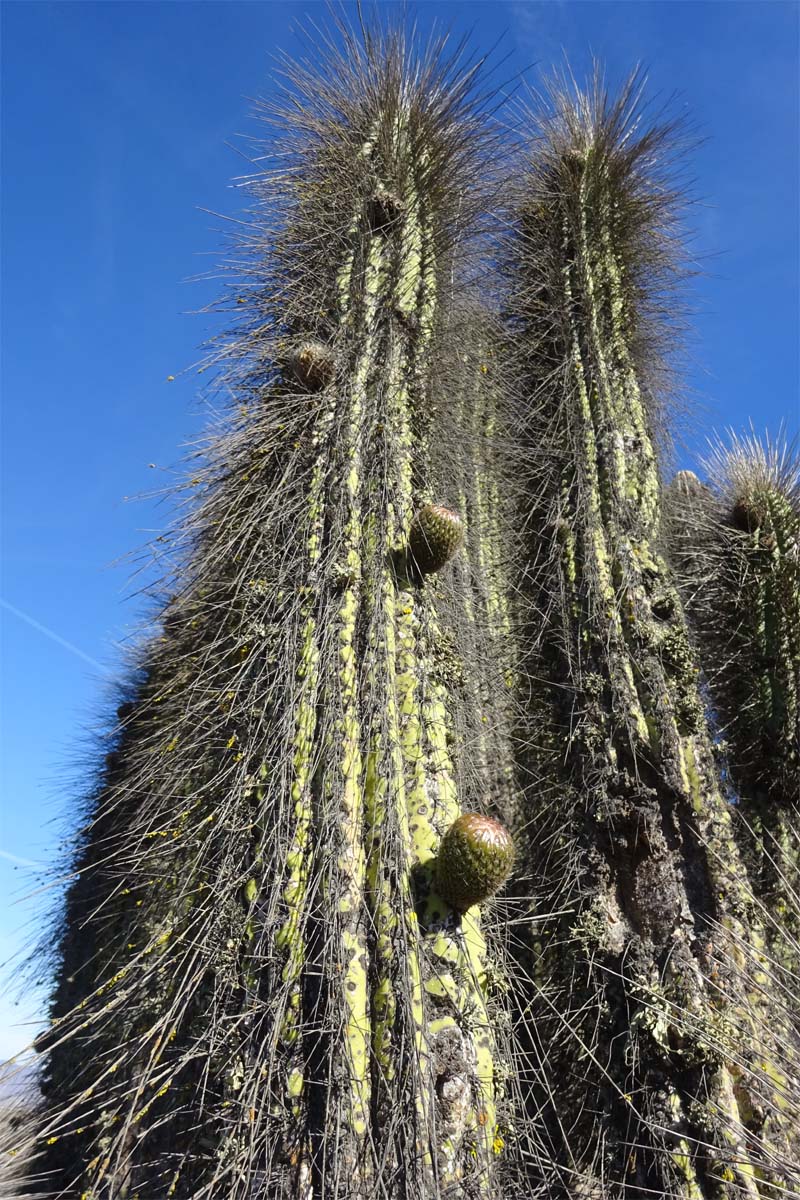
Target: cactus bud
686, 483
384, 208
313, 364
435, 535
475, 858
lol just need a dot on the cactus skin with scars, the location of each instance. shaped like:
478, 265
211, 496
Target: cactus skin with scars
628, 821
475, 858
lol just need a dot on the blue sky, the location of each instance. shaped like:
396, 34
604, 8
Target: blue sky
115, 123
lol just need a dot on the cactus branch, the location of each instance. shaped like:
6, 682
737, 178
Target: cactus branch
654, 867
735, 541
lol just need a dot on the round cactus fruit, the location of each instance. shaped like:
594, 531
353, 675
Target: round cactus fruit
313, 364
475, 858
435, 535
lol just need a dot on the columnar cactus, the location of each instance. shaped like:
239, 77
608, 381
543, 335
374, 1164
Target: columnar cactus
260, 990
651, 1090
735, 541
421, 623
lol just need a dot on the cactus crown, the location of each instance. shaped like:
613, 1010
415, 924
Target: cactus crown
756, 480
746, 541
606, 176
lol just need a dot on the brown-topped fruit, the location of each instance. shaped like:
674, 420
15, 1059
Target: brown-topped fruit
475, 858
434, 537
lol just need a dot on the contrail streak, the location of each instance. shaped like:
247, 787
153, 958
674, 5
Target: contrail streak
22, 862
54, 636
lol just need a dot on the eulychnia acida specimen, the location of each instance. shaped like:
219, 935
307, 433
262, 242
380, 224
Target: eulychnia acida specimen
735, 542
259, 989
669, 1080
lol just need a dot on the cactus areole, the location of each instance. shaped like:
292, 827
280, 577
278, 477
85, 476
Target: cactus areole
434, 538
475, 859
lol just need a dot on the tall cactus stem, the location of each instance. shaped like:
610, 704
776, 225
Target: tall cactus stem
654, 864
735, 543
282, 1033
